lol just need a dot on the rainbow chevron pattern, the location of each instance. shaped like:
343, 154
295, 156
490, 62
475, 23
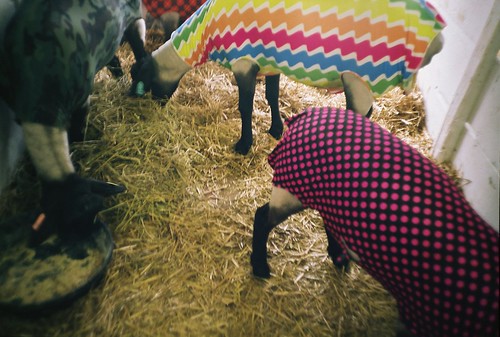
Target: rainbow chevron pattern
314, 41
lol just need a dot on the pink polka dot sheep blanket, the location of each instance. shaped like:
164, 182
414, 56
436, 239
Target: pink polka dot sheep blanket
411, 227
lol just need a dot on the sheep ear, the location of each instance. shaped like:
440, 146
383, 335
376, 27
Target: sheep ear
105, 189
358, 95
434, 47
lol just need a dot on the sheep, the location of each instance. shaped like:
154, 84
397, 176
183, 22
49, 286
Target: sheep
394, 212
312, 42
50, 53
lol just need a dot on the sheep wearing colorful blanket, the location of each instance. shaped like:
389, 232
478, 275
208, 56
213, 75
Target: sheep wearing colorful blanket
313, 42
394, 212
50, 53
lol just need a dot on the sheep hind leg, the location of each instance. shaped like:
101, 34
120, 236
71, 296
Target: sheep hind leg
272, 96
280, 207
401, 330
337, 253
245, 73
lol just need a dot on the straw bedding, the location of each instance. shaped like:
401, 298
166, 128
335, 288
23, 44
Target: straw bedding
183, 229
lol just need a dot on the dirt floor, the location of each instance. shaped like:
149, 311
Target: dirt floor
183, 228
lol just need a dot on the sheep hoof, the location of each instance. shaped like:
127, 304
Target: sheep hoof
276, 131
242, 147
341, 262
260, 268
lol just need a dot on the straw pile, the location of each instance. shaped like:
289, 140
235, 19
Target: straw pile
183, 229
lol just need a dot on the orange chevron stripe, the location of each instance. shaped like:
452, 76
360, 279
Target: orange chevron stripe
310, 21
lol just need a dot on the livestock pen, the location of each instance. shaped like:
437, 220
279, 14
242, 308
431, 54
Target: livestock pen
183, 229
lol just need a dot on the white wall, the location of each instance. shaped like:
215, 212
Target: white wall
461, 88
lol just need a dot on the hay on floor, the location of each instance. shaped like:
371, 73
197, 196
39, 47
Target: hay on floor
183, 229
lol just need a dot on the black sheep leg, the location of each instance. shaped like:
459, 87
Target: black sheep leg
281, 206
115, 67
246, 77
272, 96
261, 230
339, 257
77, 126
135, 34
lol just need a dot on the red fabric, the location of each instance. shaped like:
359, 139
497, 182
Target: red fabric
184, 7
404, 217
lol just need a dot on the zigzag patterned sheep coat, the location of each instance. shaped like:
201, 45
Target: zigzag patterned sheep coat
404, 217
313, 41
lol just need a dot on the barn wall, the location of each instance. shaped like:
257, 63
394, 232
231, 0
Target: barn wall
461, 88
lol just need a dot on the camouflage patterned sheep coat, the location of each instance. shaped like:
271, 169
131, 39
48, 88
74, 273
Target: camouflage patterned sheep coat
51, 51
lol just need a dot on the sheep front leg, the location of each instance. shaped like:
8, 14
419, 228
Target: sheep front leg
261, 230
76, 130
135, 34
280, 207
245, 73
272, 96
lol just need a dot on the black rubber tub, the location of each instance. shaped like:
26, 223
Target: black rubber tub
53, 274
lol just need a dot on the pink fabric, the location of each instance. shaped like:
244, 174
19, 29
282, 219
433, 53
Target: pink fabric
412, 228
